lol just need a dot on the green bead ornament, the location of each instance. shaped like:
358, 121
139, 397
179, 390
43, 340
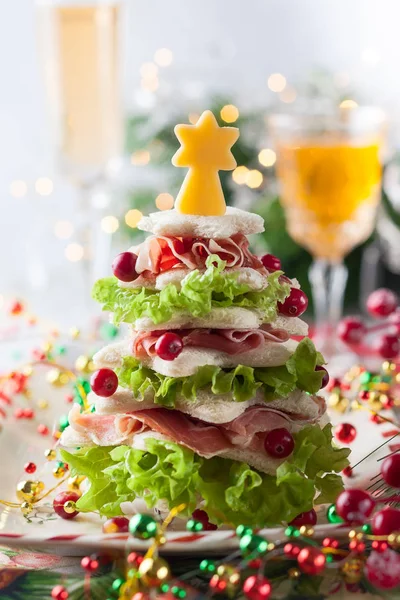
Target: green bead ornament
178, 592
292, 531
242, 530
207, 566
194, 526
60, 350
63, 422
332, 515
164, 587
366, 528
365, 377
108, 331
117, 583
253, 543
143, 526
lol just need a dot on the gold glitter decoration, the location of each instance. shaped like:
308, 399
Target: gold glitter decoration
43, 404
57, 377
84, 364
352, 570
74, 332
58, 472
26, 508
153, 571
69, 507
294, 573
27, 490
50, 454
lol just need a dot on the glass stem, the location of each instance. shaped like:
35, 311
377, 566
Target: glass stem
328, 284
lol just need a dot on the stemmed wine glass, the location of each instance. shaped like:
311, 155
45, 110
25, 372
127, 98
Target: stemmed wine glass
330, 171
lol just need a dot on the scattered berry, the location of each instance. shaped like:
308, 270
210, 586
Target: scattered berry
169, 346
30, 467
279, 443
345, 433
351, 330
386, 521
61, 500
325, 378
390, 470
305, 518
381, 303
124, 266
295, 304
388, 346
202, 517
104, 382
116, 525
59, 593
43, 429
90, 564
348, 471
271, 262
355, 506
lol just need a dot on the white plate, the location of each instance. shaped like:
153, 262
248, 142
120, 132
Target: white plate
45, 531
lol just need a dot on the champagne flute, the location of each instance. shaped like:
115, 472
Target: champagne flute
79, 43
330, 170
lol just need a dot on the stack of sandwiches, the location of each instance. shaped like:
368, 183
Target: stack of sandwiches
209, 401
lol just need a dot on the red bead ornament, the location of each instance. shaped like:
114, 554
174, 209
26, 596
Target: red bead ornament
169, 346
305, 518
388, 346
295, 304
381, 303
377, 419
291, 550
364, 395
357, 546
19, 413
330, 543
379, 545
348, 471
124, 266
104, 382
28, 413
271, 262
69, 398
255, 563
334, 382
59, 502
386, 521
382, 569
354, 506
134, 559
16, 308
116, 525
43, 429
311, 560
345, 433
202, 517
351, 330
390, 470
279, 443
30, 467
257, 588
217, 584
89, 564
59, 593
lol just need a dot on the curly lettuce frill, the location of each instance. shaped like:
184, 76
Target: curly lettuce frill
200, 292
232, 491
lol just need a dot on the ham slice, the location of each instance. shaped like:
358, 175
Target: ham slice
162, 253
230, 341
207, 439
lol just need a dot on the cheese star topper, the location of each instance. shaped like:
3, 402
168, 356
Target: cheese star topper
205, 149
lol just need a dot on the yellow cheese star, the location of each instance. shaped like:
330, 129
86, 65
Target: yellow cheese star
205, 149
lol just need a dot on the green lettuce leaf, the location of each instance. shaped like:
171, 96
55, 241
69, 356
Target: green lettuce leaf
232, 491
242, 382
200, 292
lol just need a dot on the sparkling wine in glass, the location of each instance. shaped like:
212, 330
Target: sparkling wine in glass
330, 170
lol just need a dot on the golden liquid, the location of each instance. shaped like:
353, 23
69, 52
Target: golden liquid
330, 192
80, 51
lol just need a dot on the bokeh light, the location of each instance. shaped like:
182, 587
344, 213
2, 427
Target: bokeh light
288, 95
18, 188
74, 252
140, 157
229, 113
348, 104
63, 229
193, 118
109, 224
44, 186
163, 57
276, 82
133, 217
165, 201
148, 70
254, 178
239, 175
267, 157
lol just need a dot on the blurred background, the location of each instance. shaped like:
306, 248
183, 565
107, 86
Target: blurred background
92, 90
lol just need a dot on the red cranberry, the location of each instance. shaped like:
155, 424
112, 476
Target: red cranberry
271, 262
345, 433
354, 506
383, 569
381, 303
202, 517
305, 518
60, 500
30, 467
257, 587
124, 266
169, 346
104, 382
90, 564
116, 525
325, 378
351, 330
348, 471
388, 346
386, 521
390, 470
279, 443
295, 304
